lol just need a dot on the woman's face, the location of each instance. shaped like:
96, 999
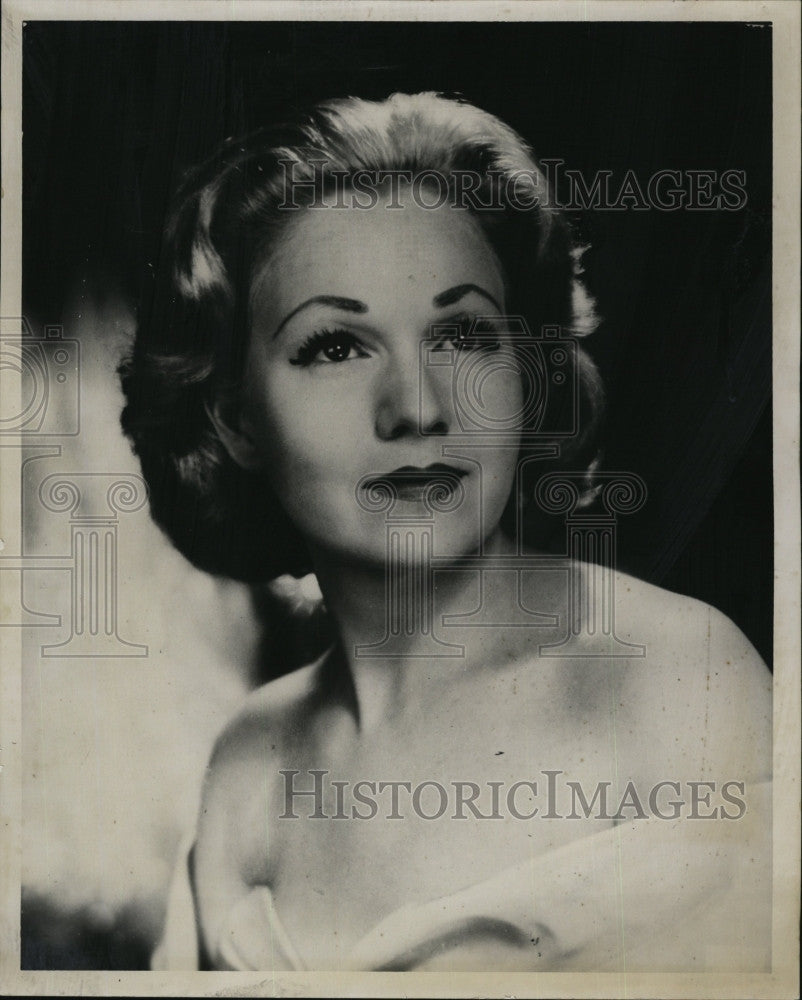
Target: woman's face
337, 390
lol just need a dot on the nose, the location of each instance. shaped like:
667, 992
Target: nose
412, 400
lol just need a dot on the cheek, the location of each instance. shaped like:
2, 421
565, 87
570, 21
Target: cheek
489, 388
499, 393
506, 398
308, 432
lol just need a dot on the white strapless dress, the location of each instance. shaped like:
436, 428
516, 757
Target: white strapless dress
648, 895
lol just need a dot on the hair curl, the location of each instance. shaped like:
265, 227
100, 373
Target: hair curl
193, 324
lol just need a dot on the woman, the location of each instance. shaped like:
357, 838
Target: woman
298, 399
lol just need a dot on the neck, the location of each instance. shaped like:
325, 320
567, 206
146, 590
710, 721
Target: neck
387, 623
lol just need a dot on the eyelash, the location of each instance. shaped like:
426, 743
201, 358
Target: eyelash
308, 352
470, 327
319, 341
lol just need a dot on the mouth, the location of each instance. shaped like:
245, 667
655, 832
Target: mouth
412, 483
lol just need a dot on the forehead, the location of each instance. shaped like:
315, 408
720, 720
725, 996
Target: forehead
404, 254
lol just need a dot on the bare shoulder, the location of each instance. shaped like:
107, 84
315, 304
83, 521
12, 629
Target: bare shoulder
264, 730
701, 682
269, 717
240, 792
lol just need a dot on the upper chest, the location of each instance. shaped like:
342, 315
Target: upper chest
438, 801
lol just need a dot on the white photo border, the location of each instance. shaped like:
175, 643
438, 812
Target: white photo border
783, 980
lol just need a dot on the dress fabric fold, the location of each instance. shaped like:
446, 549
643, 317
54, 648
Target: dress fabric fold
645, 895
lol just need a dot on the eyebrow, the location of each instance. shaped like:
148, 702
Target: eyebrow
452, 295
446, 298
349, 305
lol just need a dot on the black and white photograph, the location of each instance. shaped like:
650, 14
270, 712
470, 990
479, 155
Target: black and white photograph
400, 522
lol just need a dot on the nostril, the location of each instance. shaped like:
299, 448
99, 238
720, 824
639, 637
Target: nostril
397, 431
403, 409
392, 426
436, 427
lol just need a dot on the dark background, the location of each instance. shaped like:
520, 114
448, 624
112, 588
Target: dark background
113, 113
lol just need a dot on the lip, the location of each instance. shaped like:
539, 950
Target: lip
411, 482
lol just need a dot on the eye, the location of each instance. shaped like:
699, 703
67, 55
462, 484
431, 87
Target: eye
472, 334
329, 347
